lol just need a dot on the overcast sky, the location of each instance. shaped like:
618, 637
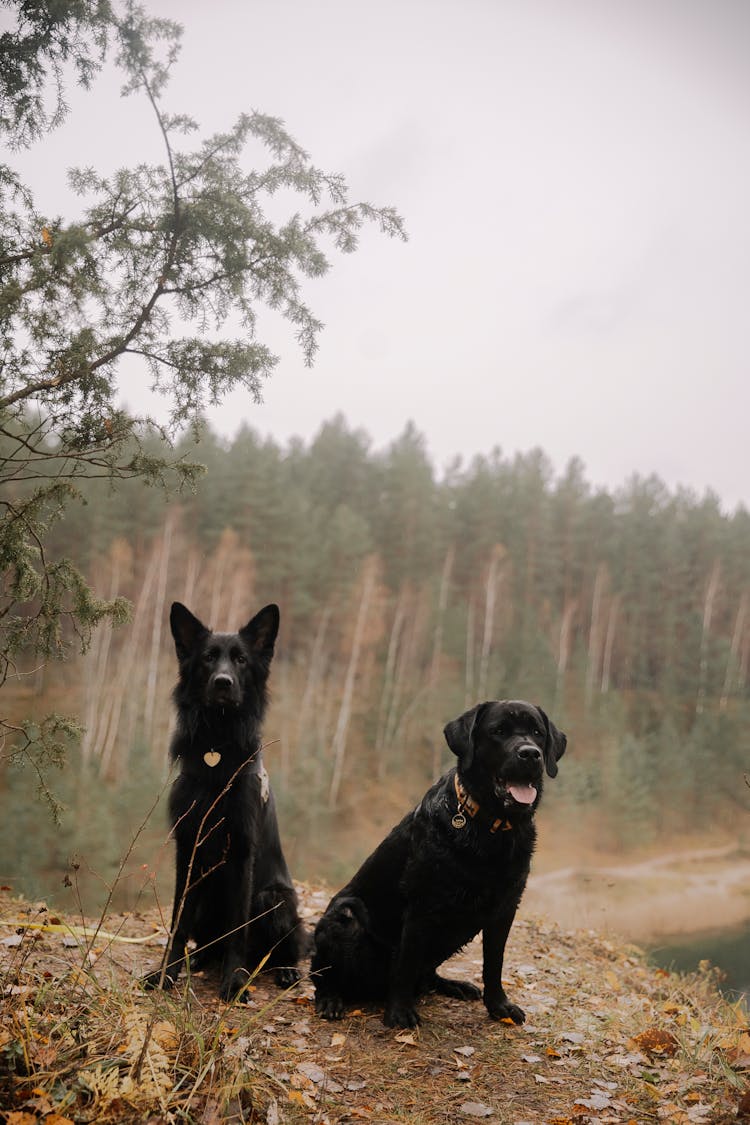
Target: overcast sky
575, 180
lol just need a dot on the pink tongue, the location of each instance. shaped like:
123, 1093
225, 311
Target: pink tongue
524, 794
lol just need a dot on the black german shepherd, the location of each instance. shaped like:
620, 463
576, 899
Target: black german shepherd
233, 892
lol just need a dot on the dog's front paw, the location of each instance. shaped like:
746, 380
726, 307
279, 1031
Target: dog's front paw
329, 1007
286, 975
155, 980
233, 986
506, 1011
401, 1015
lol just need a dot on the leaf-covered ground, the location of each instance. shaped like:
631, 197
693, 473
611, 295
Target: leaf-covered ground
607, 1039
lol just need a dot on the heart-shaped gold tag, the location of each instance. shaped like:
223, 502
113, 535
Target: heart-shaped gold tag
212, 758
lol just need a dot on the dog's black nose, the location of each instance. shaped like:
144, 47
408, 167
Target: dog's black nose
222, 682
529, 753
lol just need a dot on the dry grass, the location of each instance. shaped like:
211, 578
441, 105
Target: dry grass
608, 1039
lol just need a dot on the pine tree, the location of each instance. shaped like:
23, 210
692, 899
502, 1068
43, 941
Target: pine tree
159, 261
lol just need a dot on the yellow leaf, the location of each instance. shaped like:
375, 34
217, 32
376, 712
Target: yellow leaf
301, 1098
406, 1037
337, 1039
166, 1035
612, 981
551, 1053
46, 236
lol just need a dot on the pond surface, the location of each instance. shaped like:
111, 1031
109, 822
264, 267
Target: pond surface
729, 949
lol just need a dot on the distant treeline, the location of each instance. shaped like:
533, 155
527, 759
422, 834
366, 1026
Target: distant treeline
405, 597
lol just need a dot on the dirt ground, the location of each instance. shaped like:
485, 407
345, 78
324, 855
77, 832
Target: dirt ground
607, 1038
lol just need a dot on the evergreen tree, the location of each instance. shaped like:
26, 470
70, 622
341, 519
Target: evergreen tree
159, 261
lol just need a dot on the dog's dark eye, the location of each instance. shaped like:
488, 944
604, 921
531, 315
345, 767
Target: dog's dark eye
240, 658
208, 658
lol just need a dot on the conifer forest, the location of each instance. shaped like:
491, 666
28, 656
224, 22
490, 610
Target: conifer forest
405, 597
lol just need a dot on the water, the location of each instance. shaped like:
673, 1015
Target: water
728, 949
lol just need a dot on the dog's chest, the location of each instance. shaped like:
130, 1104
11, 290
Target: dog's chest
214, 821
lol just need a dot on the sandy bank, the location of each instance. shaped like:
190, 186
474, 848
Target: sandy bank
683, 892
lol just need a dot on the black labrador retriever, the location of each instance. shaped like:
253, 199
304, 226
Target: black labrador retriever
455, 865
233, 891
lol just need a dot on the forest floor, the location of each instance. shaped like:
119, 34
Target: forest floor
608, 1038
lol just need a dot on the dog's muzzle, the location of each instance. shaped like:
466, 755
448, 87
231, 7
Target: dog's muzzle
222, 690
527, 763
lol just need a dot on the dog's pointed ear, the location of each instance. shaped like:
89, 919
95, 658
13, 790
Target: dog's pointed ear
554, 744
187, 630
260, 632
459, 734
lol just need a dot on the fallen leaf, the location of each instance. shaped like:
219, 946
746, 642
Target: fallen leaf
301, 1098
337, 1039
467, 1051
596, 1102
406, 1037
312, 1071
166, 1035
656, 1041
477, 1109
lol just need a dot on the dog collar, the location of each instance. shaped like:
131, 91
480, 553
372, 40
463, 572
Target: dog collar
467, 804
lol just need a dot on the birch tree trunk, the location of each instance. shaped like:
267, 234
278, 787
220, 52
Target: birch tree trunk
157, 626
563, 652
342, 726
708, 608
98, 660
126, 680
734, 650
595, 640
437, 648
386, 695
494, 577
315, 666
609, 643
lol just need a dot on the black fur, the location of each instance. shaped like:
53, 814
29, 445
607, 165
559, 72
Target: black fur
430, 886
233, 892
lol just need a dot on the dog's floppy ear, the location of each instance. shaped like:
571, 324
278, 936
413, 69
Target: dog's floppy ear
186, 629
554, 744
459, 734
260, 632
